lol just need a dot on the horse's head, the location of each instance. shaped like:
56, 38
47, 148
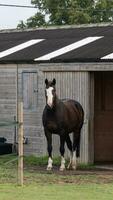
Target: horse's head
50, 92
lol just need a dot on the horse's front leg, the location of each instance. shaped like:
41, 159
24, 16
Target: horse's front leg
49, 149
62, 151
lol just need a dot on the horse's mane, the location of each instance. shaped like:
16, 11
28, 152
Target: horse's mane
66, 99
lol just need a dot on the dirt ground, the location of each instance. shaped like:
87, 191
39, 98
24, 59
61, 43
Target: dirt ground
79, 176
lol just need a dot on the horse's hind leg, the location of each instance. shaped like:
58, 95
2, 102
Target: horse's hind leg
62, 151
76, 148
69, 145
49, 148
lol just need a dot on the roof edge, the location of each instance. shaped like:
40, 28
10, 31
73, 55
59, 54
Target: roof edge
57, 27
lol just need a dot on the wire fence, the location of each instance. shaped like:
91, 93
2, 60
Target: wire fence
9, 167
8, 123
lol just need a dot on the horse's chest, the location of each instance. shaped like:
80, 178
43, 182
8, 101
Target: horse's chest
52, 126
53, 122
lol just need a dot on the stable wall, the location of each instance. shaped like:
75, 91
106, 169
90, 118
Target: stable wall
73, 84
26, 82
8, 98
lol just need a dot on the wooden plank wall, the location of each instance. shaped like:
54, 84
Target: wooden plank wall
73, 85
8, 84
33, 129
70, 84
11, 89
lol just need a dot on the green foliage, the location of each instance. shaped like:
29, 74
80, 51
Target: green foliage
35, 161
40, 161
21, 25
79, 17
68, 12
35, 21
103, 11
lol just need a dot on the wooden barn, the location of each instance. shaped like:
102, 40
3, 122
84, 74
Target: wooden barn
81, 60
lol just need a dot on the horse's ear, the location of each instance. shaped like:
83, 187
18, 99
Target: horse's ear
54, 81
46, 81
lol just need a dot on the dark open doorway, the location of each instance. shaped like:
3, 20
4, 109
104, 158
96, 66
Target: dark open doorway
103, 118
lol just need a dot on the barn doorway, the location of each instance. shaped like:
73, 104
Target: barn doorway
103, 117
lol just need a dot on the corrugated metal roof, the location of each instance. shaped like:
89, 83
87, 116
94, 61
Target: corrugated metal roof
57, 45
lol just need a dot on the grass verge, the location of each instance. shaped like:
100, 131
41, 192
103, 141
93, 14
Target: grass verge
42, 185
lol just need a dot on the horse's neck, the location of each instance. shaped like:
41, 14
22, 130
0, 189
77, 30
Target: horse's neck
56, 102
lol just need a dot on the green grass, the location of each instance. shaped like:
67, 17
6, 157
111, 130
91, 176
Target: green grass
42, 185
42, 161
11, 160
56, 192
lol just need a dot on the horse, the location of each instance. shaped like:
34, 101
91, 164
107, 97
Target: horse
62, 117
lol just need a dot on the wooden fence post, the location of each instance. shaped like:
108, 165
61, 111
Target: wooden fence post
20, 143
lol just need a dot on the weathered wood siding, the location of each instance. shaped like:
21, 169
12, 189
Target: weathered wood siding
74, 85
20, 81
30, 89
8, 97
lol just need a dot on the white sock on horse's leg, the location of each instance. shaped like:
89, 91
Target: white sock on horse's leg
62, 167
70, 162
74, 161
50, 162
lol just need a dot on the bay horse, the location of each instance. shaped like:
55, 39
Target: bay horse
62, 117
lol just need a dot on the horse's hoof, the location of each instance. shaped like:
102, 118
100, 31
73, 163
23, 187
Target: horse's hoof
61, 169
74, 167
69, 166
49, 168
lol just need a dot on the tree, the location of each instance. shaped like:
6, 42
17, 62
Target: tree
21, 25
68, 12
35, 21
103, 11
65, 11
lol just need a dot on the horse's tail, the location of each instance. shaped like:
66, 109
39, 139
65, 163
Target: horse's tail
81, 113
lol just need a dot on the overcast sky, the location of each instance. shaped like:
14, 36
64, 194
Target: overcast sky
10, 17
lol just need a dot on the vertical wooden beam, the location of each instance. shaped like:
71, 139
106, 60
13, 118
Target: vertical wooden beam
91, 119
20, 143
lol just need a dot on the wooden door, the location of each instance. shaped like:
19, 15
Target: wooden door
30, 103
30, 91
103, 120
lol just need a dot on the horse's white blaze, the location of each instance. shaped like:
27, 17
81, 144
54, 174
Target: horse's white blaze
50, 162
49, 96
